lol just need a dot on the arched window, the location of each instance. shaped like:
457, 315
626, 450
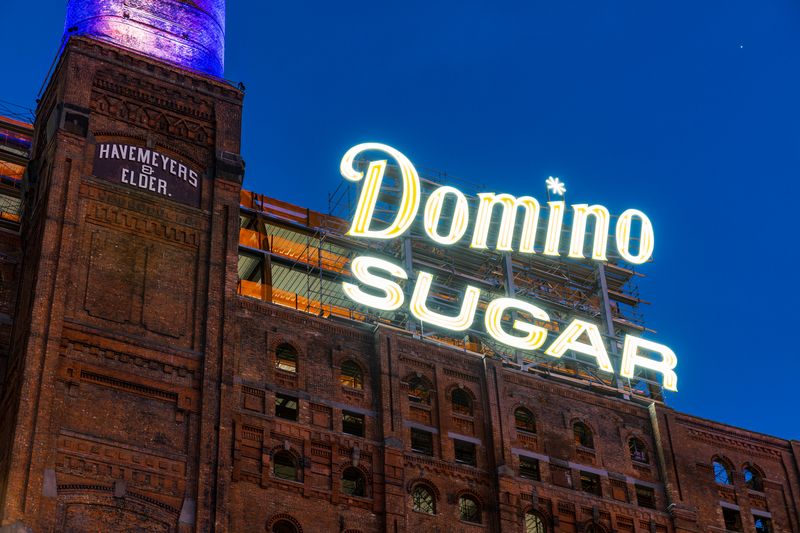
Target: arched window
534, 523
638, 451
286, 358
419, 391
462, 402
423, 500
594, 528
354, 482
284, 465
722, 472
583, 435
352, 376
524, 420
753, 479
283, 526
469, 510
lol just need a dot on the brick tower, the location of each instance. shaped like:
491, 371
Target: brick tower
129, 239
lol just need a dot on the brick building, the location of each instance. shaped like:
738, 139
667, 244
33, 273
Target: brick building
176, 356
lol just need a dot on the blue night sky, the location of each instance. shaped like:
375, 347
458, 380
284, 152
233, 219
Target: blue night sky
687, 110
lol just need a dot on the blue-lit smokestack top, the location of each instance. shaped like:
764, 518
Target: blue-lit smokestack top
187, 33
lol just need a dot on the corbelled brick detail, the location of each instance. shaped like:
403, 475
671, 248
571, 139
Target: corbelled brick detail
141, 390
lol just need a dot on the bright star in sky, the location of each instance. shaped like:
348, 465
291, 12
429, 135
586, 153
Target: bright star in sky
556, 186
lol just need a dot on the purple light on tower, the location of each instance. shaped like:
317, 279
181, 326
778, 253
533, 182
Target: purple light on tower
187, 33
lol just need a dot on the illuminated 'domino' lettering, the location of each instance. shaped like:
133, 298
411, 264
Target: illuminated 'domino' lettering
488, 201
525, 331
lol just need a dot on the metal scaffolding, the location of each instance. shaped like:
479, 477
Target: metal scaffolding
299, 258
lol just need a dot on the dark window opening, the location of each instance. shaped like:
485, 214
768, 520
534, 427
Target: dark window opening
732, 519
286, 358
421, 441
524, 420
529, 468
286, 407
583, 435
351, 375
638, 451
753, 479
645, 497
763, 524
464, 451
284, 465
462, 402
353, 424
419, 391
590, 483
469, 510
283, 526
354, 482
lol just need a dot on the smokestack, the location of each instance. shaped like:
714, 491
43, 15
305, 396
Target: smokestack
186, 33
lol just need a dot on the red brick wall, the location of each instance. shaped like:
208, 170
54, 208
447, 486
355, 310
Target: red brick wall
142, 389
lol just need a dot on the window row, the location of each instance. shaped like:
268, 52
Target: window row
464, 451
723, 474
733, 521
588, 482
423, 500
286, 465
583, 437
288, 408
285, 523
351, 374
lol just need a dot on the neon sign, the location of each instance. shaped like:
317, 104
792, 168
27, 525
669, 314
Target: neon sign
382, 276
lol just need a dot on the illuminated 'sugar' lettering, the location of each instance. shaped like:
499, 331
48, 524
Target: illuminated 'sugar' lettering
386, 294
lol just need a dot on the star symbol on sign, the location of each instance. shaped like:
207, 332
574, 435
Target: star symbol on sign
556, 186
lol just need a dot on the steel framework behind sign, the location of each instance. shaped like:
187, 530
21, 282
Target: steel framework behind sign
301, 258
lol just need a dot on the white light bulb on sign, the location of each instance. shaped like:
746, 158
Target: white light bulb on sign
433, 213
631, 359
556, 186
393, 293
409, 203
646, 237
554, 223
419, 307
602, 219
386, 294
535, 335
505, 236
568, 340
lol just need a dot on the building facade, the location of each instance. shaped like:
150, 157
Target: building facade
176, 358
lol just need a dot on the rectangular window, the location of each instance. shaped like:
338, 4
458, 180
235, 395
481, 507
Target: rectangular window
591, 483
732, 518
421, 441
645, 497
763, 524
286, 407
353, 423
465, 452
529, 468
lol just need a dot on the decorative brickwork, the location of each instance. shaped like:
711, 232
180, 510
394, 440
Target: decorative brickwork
144, 394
